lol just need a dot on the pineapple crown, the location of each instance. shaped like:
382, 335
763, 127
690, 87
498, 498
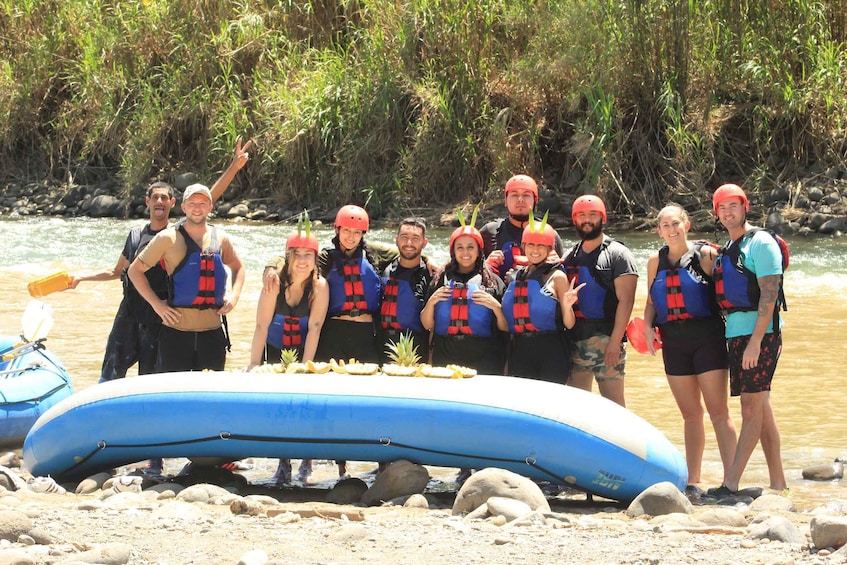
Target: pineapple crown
464, 229
303, 236
404, 351
539, 233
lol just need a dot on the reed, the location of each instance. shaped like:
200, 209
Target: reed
400, 103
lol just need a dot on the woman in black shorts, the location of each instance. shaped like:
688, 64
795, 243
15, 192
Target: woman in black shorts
681, 303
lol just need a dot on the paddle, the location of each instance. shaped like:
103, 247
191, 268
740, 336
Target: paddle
37, 321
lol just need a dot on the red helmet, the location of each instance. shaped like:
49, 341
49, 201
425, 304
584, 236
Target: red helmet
353, 217
727, 191
588, 203
522, 182
300, 239
547, 236
466, 230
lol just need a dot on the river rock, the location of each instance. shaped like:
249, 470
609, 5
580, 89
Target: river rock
114, 553
833, 225
103, 206
489, 482
177, 509
829, 531
775, 528
815, 193
772, 503
183, 181
92, 483
238, 211
13, 523
10, 459
826, 472
16, 556
347, 491
203, 492
661, 498
417, 500
400, 478
509, 508
720, 516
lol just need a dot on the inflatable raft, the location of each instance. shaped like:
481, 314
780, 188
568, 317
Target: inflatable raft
540, 430
32, 380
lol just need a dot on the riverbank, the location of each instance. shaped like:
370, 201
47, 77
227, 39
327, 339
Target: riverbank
815, 205
205, 523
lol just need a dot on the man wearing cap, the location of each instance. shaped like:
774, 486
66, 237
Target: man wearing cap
194, 253
607, 267
135, 331
502, 238
748, 284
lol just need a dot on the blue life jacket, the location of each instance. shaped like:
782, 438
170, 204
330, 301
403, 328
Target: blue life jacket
682, 291
199, 281
462, 316
527, 307
736, 286
597, 300
401, 307
354, 285
290, 325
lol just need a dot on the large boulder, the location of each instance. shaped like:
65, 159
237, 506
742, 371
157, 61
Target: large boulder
400, 478
486, 483
829, 531
659, 499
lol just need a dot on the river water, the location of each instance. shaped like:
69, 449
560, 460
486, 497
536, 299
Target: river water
809, 390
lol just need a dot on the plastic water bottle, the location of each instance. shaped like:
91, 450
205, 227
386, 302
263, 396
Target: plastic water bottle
49, 284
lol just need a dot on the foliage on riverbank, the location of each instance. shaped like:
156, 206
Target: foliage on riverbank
385, 103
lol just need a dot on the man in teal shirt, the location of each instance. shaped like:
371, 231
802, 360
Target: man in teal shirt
748, 283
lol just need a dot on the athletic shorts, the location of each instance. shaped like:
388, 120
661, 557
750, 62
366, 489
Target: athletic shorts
590, 354
130, 342
541, 356
346, 339
485, 354
192, 351
757, 379
695, 356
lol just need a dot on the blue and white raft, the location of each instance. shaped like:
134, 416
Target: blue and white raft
32, 380
537, 429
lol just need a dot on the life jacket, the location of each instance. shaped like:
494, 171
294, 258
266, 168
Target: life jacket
736, 286
460, 315
157, 276
199, 281
354, 285
290, 324
401, 306
682, 291
510, 246
527, 307
597, 299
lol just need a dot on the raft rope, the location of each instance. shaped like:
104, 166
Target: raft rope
225, 436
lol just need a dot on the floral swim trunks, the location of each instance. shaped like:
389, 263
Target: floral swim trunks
757, 379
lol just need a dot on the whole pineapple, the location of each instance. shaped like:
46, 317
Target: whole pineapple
403, 355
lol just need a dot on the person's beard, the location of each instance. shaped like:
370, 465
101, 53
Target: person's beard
520, 219
593, 233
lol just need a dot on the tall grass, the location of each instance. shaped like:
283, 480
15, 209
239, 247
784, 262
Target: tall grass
395, 104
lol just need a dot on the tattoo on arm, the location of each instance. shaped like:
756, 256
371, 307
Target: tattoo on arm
769, 292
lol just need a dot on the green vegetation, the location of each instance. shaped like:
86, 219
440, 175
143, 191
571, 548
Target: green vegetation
390, 103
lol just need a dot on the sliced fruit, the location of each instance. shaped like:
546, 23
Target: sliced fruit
362, 368
396, 370
318, 367
465, 372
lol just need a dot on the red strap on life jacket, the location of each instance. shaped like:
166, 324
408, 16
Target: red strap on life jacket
520, 309
459, 323
388, 311
353, 287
